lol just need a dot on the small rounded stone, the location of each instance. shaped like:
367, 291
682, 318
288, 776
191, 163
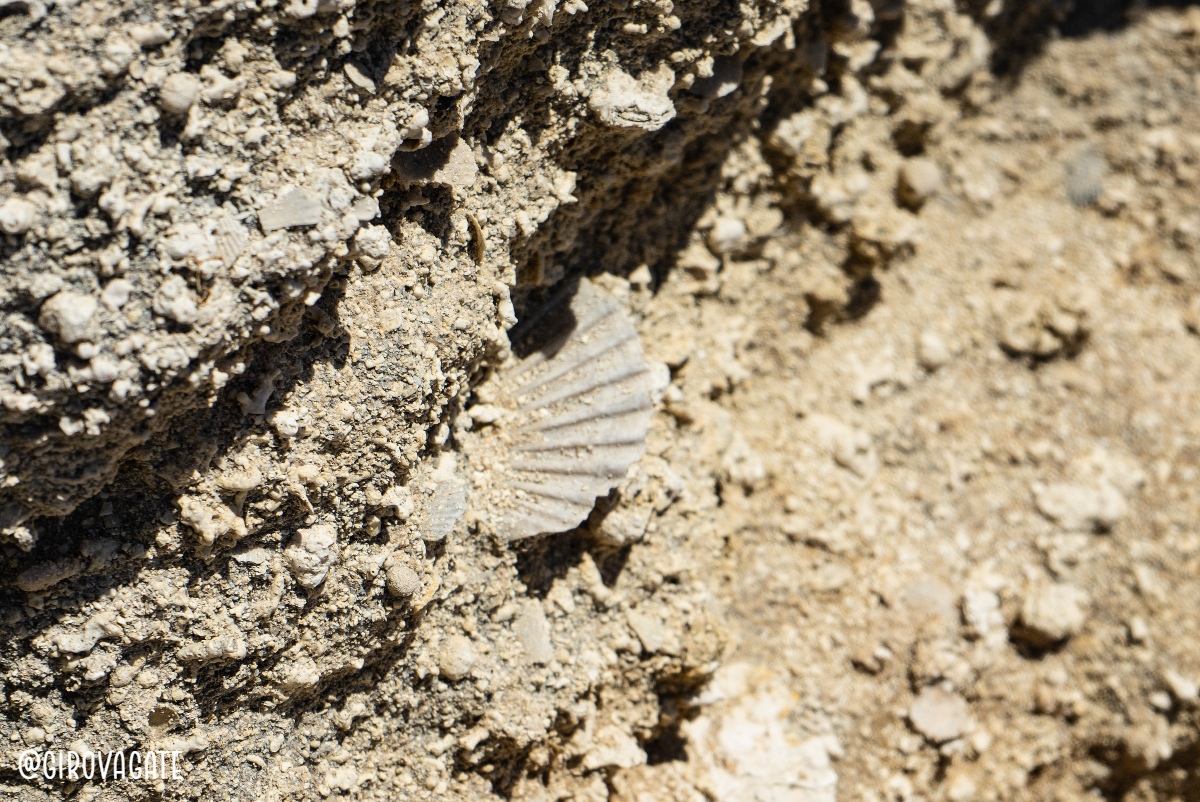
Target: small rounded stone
254, 135
69, 315
919, 180
150, 34
727, 235
17, 216
940, 715
1052, 613
402, 581
932, 351
105, 369
179, 92
457, 658
116, 294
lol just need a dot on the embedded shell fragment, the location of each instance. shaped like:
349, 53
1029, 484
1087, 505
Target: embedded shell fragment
447, 503
577, 411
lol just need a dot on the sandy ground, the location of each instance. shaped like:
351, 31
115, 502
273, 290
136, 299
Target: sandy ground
958, 531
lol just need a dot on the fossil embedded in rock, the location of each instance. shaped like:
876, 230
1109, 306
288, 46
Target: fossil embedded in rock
447, 503
231, 240
295, 208
578, 409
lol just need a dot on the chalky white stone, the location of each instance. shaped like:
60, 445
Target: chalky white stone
178, 92
939, 714
69, 315
17, 216
311, 554
457, 658
1052, 613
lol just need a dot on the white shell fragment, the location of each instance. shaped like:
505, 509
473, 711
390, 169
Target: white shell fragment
578, 408
359, 78
448, 503
231, 240
298, 207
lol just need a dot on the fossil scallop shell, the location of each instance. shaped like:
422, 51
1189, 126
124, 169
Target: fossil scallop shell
578, 409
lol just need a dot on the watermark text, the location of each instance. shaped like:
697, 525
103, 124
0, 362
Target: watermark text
61, 764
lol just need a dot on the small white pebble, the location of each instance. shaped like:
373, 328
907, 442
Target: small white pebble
286, 422
221, 89
919, 179
312, 554
105, 369
178, 92
254, 135
116, 294
1052, 613
174, 300
726, 235
343, 778
457, 658
932, 351
961, 789
17, 216
150, 34
486, 414
398, 501
1182, 688
69, 315
1081, 508
281, 79
373, 242
367, 164
641, 276
940, 715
